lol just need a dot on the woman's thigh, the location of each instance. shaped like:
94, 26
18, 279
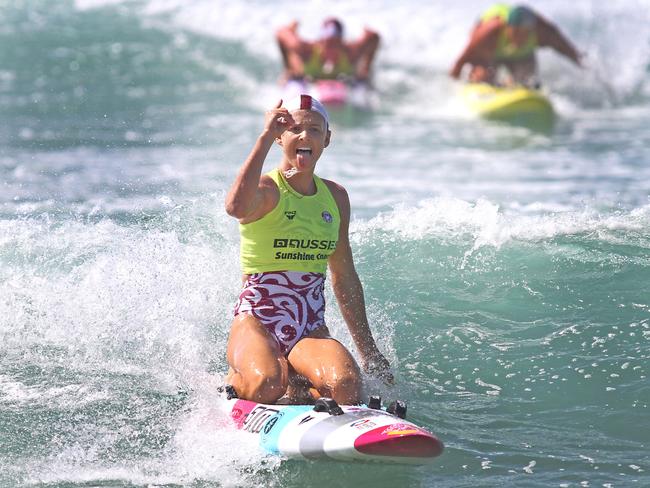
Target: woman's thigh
252, 350
325, 362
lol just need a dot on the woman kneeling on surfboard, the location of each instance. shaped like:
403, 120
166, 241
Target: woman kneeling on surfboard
508, 36
293, 225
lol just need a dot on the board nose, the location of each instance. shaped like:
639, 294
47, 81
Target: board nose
399, 441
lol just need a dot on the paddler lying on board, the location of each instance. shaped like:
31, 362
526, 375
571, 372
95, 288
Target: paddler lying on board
330, 57
508, 37
294, 225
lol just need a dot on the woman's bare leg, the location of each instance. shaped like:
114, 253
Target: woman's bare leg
329, 367
258, 369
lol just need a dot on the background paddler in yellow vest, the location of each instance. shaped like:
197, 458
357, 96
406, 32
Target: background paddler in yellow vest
335, 71
328, 57
294, 225
507, 37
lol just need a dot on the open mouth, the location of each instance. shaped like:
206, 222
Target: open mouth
303, 151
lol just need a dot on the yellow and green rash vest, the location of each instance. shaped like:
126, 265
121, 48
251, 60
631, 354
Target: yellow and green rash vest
506, 50
315, 67
299, 234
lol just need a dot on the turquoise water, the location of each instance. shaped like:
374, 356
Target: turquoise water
506, 271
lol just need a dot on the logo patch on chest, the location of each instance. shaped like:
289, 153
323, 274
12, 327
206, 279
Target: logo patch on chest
290, 215
327, 217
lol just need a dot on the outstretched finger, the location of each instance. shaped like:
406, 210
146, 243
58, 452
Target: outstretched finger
279, 104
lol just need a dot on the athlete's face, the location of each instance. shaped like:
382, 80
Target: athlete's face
304, 142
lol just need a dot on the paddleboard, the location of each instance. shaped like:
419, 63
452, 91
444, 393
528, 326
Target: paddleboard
329, 431
516, 105
333, 93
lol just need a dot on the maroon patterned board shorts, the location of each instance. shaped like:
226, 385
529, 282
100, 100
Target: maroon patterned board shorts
290, 304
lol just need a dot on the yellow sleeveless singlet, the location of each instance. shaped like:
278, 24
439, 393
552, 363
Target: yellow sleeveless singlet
299, 234
315, 68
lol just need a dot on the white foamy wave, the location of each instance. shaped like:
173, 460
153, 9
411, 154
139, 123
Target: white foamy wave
15, 394
202, 447
205, 447
116, 298
487, 225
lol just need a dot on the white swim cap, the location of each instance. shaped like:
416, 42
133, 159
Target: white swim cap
307, 102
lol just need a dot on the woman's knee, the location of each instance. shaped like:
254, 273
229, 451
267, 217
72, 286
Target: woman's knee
264, 387
351, 380
261, 371
344, 386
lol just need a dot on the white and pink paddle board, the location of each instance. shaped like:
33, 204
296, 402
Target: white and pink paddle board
348, 433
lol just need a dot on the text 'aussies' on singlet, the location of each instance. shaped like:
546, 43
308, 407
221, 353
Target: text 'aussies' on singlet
299, 234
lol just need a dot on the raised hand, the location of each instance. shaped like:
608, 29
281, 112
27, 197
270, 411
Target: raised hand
277, 120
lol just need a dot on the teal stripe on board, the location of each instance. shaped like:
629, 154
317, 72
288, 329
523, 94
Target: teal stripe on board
274, 426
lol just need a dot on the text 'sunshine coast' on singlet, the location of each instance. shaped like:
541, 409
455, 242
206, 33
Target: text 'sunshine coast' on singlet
506, 50
299, 234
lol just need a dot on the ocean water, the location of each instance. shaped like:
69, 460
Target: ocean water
507, 272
